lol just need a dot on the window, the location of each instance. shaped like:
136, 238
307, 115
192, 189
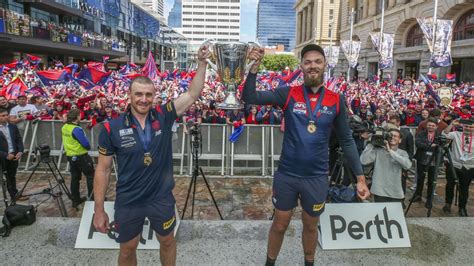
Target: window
415, 36
464, 28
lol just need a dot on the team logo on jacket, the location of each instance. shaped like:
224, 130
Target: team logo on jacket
299, 108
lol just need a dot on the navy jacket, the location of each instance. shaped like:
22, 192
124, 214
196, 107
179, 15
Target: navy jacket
17, 141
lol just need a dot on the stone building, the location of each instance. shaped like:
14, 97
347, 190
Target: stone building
411, 53
313, 22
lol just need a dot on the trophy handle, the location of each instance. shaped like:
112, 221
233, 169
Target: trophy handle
252, 45
210, 43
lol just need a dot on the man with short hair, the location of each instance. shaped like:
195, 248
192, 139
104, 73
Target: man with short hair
11, 150
141, 140
5, 104
311, 112
427, 148
389, 162
76, 147
463, 162
19, 113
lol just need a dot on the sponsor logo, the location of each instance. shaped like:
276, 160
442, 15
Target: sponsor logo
299, 108
168, 224
125, 132
318, 207
325, 110
356, 230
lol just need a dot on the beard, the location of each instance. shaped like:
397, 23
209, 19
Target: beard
313, 82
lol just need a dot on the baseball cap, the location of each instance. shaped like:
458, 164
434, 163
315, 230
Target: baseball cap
312, 47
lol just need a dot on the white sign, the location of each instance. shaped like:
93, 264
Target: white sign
89, 238
363, 225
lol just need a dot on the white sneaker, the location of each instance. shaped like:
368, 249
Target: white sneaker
413, 188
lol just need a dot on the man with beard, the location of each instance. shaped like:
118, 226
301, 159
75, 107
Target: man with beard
311, 112
141, 140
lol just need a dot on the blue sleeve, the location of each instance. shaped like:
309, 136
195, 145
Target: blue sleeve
251, 96
346, 141
169, 112
79, 134
105, 142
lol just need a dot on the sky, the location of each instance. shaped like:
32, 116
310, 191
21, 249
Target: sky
248, 18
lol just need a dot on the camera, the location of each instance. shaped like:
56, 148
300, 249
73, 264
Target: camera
379, 137
358, 126
44, 151
441, 140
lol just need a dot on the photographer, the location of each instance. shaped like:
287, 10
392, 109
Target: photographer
427, 147
463, 162
389, 161
76, 146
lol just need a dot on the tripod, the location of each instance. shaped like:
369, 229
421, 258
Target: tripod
196, 148
51, 190
442, 150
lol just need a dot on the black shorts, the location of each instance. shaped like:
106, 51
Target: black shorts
312, 193
129, 221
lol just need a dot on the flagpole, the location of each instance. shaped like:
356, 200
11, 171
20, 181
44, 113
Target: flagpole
330, 48
350, 47
379, 72
435, 18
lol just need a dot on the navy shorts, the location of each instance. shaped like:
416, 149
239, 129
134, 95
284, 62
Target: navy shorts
312, 193
129, 221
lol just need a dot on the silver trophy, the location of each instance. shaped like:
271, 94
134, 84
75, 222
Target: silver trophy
231, 66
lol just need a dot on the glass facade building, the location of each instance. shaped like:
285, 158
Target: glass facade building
276, 23
174, 17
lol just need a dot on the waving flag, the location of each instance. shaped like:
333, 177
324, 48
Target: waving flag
430, 90
14, 64
288, 79
34, 60
52, 77
94, 75
96, 65
71, 69
16, 88
451, 77
149, 69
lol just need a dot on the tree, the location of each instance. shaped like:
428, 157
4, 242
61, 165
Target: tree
278, 62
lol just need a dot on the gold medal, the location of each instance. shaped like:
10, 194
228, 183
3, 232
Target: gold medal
311, 127
147, 160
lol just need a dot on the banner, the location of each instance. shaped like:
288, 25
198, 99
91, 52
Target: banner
386, 53
333, 56
74, 39
2, 25
351, 51
441, 54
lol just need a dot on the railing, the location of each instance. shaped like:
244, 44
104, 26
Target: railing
256, 153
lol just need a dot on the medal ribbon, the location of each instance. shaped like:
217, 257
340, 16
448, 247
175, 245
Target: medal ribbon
463, 144
144, 134
312, 114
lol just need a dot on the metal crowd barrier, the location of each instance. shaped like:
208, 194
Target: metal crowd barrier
256, 153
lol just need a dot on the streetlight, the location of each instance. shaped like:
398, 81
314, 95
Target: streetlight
330, 46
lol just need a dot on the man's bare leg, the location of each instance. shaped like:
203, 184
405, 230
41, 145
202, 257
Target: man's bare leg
167, 249
128, 252
281, 220
309, 236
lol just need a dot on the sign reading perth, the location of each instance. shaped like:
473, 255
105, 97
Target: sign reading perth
363, 225
89, 238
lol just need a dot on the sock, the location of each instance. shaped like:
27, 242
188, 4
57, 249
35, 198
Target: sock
270, 262
308, 263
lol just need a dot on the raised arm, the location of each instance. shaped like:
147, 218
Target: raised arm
188, 98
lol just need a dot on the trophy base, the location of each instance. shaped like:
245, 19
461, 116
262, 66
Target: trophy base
227, 106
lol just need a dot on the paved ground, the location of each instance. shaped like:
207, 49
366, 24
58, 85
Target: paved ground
237, 198
50, 241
